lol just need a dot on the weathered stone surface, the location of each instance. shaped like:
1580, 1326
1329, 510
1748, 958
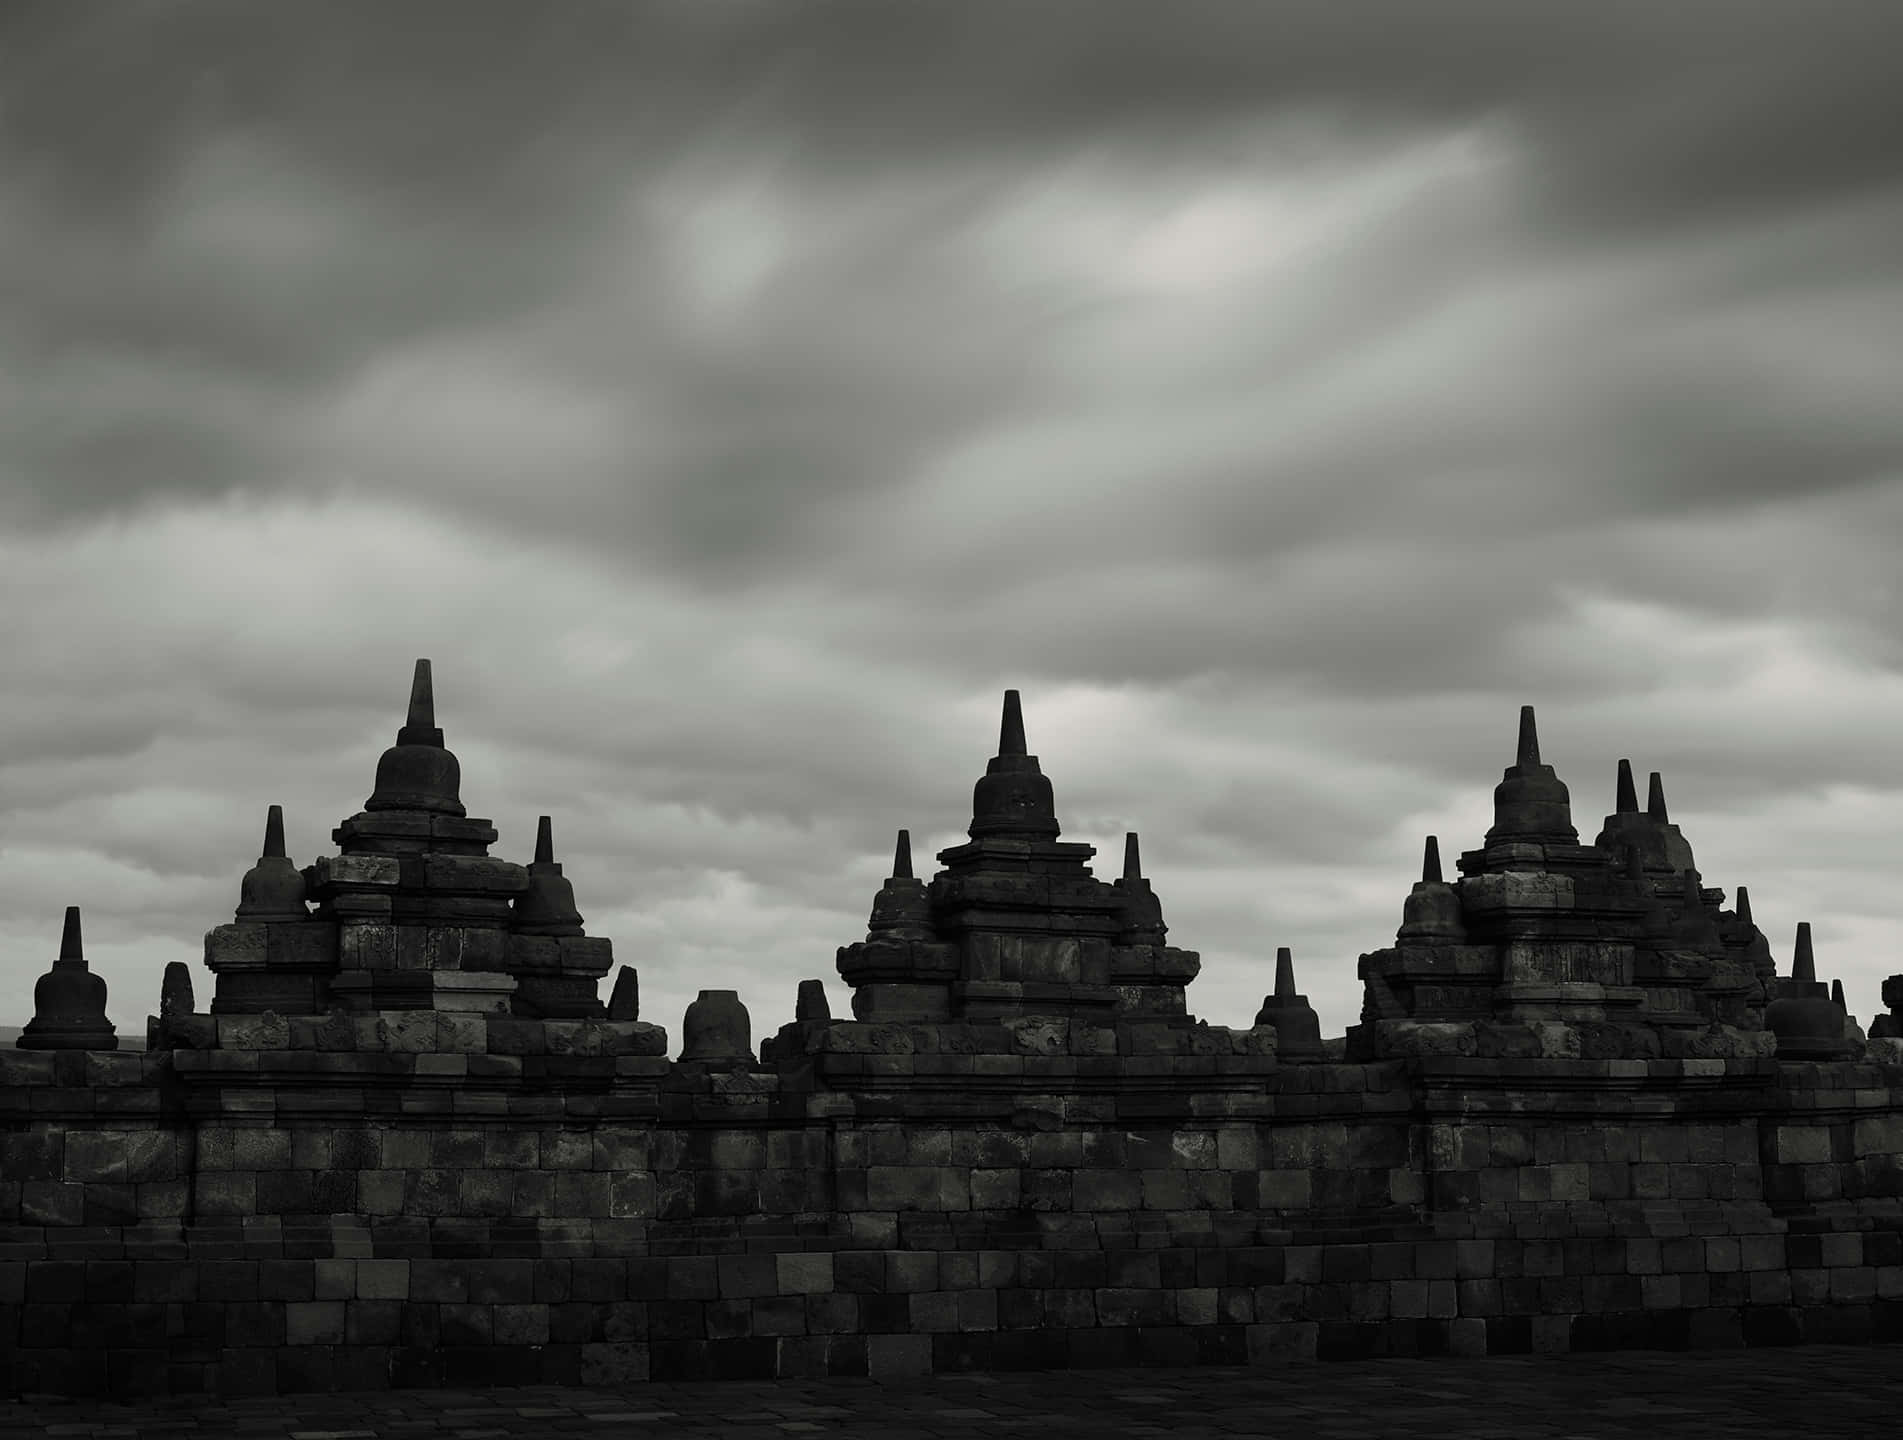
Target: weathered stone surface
625, 1002
717, 1029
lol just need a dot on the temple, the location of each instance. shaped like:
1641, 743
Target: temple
1546, 948
405, 1142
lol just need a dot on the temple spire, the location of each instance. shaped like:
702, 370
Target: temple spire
1744, 904
544, 841
1655, 798
1528, 755
1011, 729
1803, 962
902, 856
273, 833
422, 714
69, 943
1430, 861
1284, 973
1627, 802
1837, 995
1132, 861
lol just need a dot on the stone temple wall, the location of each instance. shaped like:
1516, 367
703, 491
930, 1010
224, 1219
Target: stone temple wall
593, 1217
407, 1144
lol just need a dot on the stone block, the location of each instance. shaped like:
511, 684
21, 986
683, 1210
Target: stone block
472, 875
234, 947
898, 1357
354, 872
314, 1322
804, 1274
365, 945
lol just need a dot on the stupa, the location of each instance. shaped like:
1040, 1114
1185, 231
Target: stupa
1808, 1024
275, 955
1298, 1029
1015, 924
69, 1001
557, 966
413, 913
1547, 947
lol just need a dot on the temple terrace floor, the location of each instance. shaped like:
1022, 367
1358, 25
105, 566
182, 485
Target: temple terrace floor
1823, 1391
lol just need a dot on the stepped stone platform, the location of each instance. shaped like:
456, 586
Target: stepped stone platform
406, 1144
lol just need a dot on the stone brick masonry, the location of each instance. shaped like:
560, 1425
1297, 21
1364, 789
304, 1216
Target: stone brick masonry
1022, 1152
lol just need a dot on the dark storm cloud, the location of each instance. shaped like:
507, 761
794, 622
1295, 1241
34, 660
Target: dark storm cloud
733, 398
228, 209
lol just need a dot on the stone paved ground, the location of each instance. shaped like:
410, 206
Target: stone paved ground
1823, 1391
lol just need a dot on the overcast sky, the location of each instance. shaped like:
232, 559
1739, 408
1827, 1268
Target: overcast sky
732, 400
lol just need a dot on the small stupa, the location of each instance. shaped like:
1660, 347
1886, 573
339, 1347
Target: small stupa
1298, 1029
1431, 912
1013, 797
1142, 911
1807, 1024
69, 1001
1531, 804
717, 1031
419, 772
273, 890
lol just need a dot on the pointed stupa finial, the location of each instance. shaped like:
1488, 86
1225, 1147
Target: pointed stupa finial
1803, 962
422, 714
1837, 995
1284, 973
902, 856
544, 841
1011, 728
419, 725
1655, 798
1430, 861
1132, 859
1627, 802
1527, 757
69, 943
273, 833
1744, 904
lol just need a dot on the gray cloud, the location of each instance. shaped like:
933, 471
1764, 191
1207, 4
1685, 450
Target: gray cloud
733, 399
